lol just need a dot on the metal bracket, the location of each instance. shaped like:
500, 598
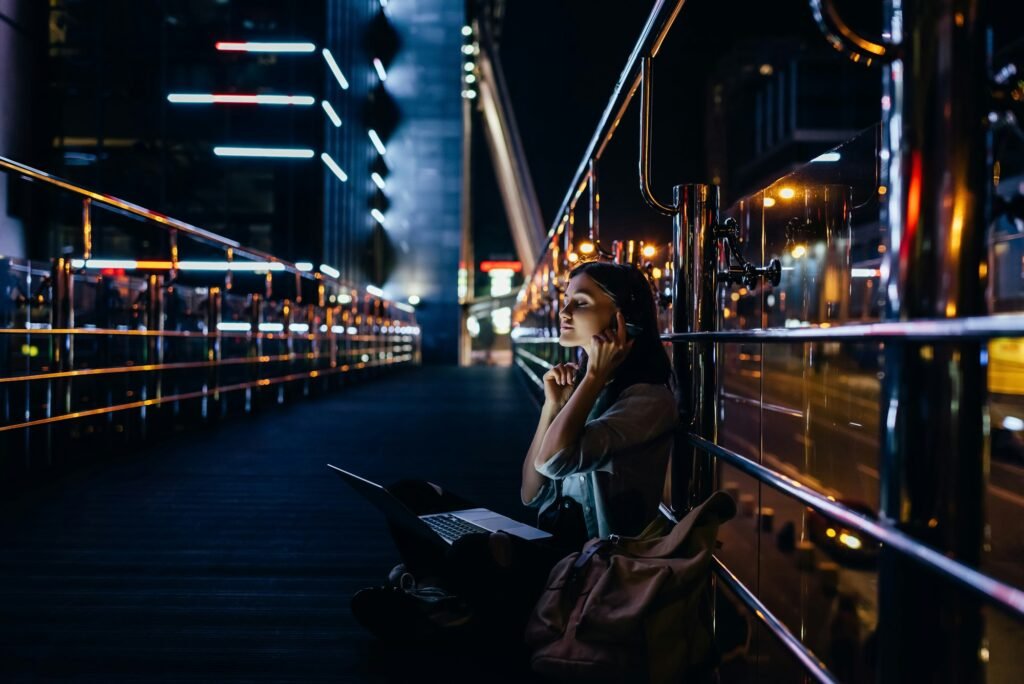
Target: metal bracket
743, 273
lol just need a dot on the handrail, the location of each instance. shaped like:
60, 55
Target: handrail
132, 209
968, 328
790, 641
646, 88
843, 38
659, 22
1004, 596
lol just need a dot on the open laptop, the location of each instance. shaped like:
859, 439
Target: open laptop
446, 526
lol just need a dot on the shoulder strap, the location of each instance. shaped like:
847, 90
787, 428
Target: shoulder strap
719, 505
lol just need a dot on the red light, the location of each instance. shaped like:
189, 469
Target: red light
486, 266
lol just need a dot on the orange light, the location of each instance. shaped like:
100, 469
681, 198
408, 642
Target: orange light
787, 193
586, 248
649, 251
486, 266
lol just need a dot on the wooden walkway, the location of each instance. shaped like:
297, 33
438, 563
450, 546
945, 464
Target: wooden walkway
230, 554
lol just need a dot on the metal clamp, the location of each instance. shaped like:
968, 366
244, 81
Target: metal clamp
743, 273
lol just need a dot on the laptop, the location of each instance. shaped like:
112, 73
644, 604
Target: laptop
446, 526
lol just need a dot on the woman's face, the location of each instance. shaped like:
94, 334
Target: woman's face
587, 311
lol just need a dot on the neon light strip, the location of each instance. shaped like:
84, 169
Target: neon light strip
375, 139
379, 66
298, 327
327, 270
304, 266
226, 46
331, 114
277, 152
230, 266
375, 291
333, 166
225, 98
335, 69
378, 216
234, 326
271, 327
378, 181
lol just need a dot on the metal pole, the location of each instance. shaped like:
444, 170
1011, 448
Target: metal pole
935, 152
694, 286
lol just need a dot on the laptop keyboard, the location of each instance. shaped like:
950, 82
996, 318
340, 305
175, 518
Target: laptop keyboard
449, 527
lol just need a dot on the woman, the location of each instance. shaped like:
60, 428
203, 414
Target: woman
604, 439
605, 431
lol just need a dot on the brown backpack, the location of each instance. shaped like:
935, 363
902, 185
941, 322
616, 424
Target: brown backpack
631, 608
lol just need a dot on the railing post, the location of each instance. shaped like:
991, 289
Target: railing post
62, 317
213, 350
154, 344
934, 434
694, 287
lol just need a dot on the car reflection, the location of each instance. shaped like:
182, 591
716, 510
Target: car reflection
843, 544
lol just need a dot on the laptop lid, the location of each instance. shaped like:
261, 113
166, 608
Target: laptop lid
394, 510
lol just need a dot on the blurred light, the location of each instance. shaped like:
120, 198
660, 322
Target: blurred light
471, 78
827, 157
271, 327
656, 273
649, 251
850, 540
329, 270
769, 201
333, 166
298, 327
225, 98
573, 257
501, 319
234, 326
344, 299
473, 326
274, 152
336, 329
489, 265
378, 216
501, 281
379, 66
126, 264
864, 272
331, 114
304, 266
882, 189
335, 69
29, 350
469, 94
798, 251
830, 533
467, 30
404, 307
378, 181
787, 193
375, 291
467, 49
352, 330
377, 142
414, 300
469, 66
1013, 424
225, 46
766, 70
586, 248
735, 296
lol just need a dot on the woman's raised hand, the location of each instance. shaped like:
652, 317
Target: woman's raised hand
607, 350
558, 384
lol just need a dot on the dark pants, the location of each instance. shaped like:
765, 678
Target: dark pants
501, 578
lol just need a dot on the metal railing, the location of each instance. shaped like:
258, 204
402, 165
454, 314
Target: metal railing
930, 338
120, 346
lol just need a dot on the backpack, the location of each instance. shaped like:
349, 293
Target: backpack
632, 608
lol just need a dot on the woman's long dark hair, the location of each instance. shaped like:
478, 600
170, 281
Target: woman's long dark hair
631, 291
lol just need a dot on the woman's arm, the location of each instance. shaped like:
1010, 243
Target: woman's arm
557, 389
567, 425
532, 480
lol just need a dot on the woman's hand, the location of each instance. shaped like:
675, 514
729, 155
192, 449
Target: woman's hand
558, 384
607, 350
